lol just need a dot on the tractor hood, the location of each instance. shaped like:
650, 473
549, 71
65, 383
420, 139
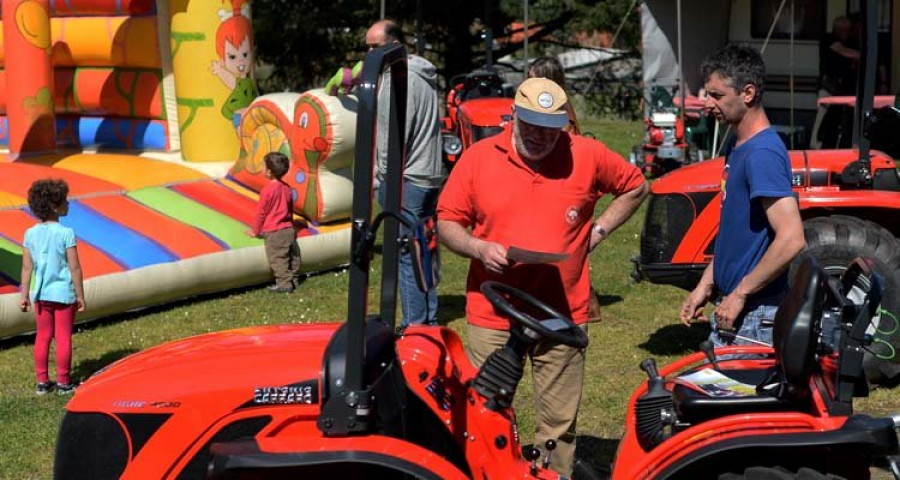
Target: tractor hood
698, 177
809, 168
229, 365
487, 112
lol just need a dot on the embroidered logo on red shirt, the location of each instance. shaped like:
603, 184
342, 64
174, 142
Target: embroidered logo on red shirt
572, 214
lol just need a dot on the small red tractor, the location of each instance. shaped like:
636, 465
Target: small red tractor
670, 138
478, 106
361, 400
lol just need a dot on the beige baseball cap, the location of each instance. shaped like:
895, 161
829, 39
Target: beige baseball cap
541, 102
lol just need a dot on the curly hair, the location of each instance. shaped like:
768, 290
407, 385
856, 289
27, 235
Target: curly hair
741, 65
277, 163
45, 197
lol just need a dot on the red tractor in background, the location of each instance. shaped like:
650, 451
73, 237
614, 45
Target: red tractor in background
671, 139
836, 129
849, 201
478, 106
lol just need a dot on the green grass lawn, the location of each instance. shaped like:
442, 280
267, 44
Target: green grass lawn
639, 321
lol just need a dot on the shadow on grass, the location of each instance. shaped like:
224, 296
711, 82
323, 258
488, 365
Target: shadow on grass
450, 307
92, 324
28, 338
86, 368
606, 300
161, 308
597, 454
676, 339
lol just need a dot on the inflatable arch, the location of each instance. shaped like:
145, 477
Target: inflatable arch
148, 110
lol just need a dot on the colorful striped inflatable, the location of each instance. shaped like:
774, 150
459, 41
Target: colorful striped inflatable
147, 239
123, 99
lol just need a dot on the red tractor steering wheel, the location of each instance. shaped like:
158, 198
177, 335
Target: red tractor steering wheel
564, 331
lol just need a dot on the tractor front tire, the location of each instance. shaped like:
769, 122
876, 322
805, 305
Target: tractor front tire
778, 473
835, 241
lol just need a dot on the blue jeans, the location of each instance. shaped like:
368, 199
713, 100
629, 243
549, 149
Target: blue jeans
418, 203
756, 323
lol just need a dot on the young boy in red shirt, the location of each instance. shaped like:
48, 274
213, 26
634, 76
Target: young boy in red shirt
274, 223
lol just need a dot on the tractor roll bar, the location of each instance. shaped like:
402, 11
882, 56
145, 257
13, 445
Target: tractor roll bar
392, 56
865, 84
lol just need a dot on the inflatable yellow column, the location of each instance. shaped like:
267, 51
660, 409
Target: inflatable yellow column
29, 77
212, 61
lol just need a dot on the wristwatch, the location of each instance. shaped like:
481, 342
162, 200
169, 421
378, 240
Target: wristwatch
599, 230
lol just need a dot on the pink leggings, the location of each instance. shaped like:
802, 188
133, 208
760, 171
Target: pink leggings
54, 320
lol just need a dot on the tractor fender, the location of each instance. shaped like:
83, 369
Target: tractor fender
860, 437
372, 456
841, 199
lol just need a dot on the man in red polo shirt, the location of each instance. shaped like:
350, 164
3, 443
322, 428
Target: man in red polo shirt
535, 187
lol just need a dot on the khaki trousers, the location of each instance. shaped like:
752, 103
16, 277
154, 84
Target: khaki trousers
558, 375
284, 256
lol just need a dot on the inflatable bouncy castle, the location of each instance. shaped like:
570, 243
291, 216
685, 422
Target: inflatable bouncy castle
149, 110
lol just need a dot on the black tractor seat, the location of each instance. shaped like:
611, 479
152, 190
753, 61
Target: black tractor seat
693, 406
784, 387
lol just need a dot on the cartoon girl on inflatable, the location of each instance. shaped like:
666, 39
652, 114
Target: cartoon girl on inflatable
235, 49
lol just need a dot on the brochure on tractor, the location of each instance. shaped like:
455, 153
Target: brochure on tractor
715, 384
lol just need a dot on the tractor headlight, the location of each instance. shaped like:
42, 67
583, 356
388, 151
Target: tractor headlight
452, 145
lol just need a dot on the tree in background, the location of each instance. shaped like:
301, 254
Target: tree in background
305, 41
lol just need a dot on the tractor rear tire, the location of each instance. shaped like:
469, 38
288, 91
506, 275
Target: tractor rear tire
778, 473
835, 241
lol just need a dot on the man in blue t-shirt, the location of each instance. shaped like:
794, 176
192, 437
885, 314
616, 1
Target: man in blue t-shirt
760, 230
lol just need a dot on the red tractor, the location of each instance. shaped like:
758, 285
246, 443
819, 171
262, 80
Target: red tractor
359, 400
849, 201
670, 138
845, 216
478, 107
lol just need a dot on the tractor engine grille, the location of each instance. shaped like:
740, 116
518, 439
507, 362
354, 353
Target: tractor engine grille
480, 133
668, 219
91, 446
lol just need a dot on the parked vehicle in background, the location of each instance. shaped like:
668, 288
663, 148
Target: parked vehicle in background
836, 130
846, 212
672, 138
850, 204
478, 107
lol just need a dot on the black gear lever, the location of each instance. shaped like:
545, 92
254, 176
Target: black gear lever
532, 455
550, 445
649, 367
707, 347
